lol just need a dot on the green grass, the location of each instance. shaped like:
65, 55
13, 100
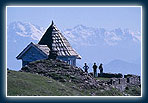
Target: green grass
111, 92
103, 79
27, 84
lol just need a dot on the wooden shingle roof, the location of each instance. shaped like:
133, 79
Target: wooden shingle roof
54, 39
43, 49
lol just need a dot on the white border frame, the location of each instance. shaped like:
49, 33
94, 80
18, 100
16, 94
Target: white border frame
69, 97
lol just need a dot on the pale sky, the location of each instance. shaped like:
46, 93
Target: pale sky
69, 17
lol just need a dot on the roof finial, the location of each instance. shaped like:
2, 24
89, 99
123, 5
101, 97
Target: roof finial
52, 22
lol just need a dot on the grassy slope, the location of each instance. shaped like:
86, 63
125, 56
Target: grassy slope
27, 84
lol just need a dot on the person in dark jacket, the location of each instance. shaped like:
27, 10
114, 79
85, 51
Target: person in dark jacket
101, 69
86, 68
95, 69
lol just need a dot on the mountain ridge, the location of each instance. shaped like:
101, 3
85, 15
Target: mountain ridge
121, 66
35, 32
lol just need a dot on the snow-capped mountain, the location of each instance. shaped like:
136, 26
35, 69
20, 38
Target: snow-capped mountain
93, 36
25, 30
80, 34
93, 44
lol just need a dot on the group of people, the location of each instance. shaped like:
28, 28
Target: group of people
86, 67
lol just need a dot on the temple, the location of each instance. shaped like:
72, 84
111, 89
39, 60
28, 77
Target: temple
52, 45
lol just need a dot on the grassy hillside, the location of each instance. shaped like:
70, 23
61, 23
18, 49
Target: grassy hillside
27, 84
57, 78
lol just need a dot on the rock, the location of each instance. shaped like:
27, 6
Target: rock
86, 81
49, 81
20, 71
101, 90
61, 89
107, 88
14, 76
62, 72
67, 67
125, 94
92, 94
73, 87
62, 80
103, 84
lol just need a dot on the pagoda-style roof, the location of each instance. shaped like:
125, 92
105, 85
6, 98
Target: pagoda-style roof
54, 39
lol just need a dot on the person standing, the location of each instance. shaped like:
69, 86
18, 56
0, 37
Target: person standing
101, 69
95, 69
86, 68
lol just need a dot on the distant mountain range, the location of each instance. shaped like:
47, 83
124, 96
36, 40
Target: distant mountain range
120, 66
79, 34
99, 45
83, 35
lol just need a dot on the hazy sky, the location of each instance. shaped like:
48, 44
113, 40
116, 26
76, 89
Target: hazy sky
68, 17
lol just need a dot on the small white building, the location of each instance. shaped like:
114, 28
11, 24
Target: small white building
52, 40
